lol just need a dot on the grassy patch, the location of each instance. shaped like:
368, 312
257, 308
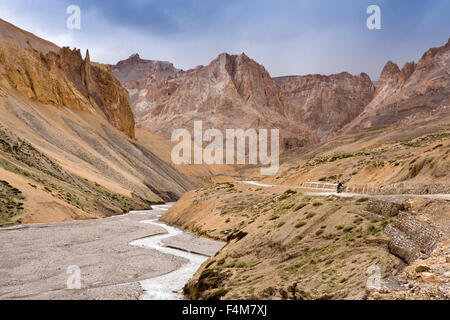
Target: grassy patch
317, 204
300, 224
348, 229
10, 202
319, 232
309, 215
300, 206
218, 294
281, 224
237, 235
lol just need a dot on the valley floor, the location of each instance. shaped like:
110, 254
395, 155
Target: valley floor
35, 259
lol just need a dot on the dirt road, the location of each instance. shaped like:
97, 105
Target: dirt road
325, 192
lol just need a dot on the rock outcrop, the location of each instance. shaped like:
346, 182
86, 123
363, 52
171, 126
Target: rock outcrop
43, 72
64, 78
416, 91
327, 103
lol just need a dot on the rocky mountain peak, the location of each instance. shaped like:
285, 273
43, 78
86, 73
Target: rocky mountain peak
406, 72
389, 76
389, 69
133, 60
431, 53
416, 91
250, 79
87, 59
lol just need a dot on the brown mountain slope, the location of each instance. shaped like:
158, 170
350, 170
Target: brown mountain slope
285, 244
65, 79
42, 71
414, 92
61, 155
327, 103
149, 83
12, 34
78, 163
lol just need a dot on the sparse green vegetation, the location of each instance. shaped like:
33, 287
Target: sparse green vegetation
218, 294
309, 215
427, 140
348, 229
10, 202
300, 224
300, 206
327, 252
358, 220
206, 273
237, 235
317, 204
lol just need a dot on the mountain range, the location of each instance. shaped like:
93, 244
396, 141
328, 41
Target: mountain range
84, 116
236, 91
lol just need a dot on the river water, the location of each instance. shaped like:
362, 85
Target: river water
168, 286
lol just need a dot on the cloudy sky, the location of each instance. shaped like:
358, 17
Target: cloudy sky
288, 37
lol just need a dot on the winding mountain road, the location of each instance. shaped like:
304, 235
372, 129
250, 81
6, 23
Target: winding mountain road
326, 192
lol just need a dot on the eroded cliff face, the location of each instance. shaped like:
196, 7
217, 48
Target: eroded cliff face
64, 78
326, 103
416, 91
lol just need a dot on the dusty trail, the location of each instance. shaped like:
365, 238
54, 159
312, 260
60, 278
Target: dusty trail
350, 195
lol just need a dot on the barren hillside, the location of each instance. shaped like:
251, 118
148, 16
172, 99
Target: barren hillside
66, 147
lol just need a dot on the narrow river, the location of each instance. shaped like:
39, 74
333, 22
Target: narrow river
168, 286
